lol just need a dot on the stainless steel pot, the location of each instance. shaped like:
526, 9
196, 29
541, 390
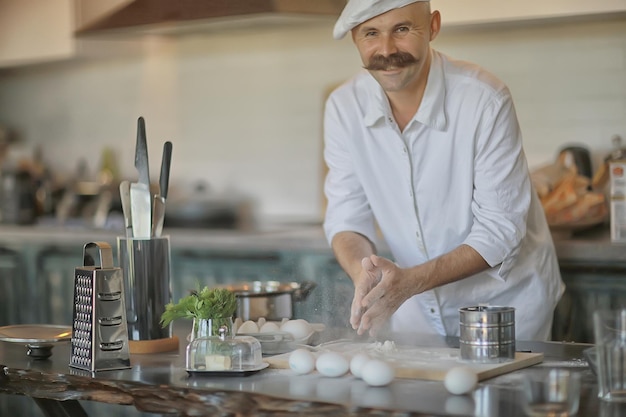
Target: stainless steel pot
272, 300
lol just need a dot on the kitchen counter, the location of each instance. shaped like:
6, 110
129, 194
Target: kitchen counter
39, 266
158, 383
593, 244
275, 238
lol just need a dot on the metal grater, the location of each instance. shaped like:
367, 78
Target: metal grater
99, 330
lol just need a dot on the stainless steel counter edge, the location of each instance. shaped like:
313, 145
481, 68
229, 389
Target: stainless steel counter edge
308, 238
593, 245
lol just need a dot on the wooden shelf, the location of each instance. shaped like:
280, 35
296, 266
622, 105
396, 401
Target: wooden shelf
35, 31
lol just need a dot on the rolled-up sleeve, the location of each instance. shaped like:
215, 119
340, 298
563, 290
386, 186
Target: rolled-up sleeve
502, 192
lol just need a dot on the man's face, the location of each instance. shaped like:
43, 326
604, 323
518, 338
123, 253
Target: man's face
394, 46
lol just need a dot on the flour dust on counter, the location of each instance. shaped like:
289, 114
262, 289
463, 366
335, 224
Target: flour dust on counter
411, 362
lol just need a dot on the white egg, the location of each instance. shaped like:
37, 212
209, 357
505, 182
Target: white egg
269, 327
301, 361
377, 373
248, 327
357, 362
299, 328
460, 380
332, 364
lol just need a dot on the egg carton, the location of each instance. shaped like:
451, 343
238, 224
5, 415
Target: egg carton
290, 334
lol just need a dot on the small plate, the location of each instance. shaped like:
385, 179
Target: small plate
235, 372
35, 334
38, 338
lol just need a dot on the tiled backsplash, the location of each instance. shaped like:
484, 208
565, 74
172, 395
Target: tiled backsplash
244, 107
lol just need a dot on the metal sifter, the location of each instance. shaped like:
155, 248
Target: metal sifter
487, 334
99, 330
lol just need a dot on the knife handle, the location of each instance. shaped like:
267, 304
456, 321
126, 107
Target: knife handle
164, 179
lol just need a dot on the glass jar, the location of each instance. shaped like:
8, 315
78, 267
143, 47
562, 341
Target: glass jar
211, 327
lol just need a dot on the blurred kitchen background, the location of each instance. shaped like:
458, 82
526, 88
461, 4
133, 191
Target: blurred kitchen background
241, 98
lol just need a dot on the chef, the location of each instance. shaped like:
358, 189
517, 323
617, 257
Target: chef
427, 150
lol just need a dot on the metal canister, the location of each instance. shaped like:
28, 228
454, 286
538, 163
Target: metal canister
487, 334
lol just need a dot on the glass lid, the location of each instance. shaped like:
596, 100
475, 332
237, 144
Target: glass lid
224, 354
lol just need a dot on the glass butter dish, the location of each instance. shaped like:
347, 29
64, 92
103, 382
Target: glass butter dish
224, 356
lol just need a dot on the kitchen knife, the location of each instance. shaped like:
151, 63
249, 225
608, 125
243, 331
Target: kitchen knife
125, 198
158, 213
166, 162
140, 197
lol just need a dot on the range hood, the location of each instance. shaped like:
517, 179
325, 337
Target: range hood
144, 13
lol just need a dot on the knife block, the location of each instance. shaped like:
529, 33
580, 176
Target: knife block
99, 334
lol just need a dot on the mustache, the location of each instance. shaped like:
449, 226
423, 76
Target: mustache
395, 60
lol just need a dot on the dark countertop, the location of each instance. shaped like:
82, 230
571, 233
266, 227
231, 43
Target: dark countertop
158, 383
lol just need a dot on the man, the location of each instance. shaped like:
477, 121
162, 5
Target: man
429, 149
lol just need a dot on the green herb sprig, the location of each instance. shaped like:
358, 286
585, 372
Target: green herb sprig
208, 303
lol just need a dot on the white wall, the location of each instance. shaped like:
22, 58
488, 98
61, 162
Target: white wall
568, 81
243, 107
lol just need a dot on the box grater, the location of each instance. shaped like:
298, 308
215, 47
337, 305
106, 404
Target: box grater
99, 330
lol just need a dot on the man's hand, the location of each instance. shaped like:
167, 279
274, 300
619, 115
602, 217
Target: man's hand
382, 288
369, 277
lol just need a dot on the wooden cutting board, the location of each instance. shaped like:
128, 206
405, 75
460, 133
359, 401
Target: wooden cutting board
431, 363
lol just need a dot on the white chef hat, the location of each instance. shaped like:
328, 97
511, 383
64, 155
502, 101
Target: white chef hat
359, 11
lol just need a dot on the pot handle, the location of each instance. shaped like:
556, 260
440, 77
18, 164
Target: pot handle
303, 290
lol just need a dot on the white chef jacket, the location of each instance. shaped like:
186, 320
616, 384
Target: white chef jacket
456, 175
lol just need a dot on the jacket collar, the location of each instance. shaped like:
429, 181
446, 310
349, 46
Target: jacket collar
431, 111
